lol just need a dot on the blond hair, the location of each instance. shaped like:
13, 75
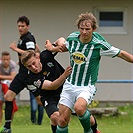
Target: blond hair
87, 16
27, 55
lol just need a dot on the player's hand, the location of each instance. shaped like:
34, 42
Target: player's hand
38, 100
67, 71
60, 41
13, 46
48, 45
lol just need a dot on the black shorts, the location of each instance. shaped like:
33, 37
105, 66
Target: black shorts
18, 83
50, 105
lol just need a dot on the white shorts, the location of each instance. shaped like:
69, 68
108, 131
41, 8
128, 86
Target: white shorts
71, 93
8, 82
1, 92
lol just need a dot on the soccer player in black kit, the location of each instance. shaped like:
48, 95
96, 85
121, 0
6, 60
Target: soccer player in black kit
45, 68
49, 98
26, 41
51, 69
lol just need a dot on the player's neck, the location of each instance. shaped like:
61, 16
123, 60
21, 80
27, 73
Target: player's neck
85, 40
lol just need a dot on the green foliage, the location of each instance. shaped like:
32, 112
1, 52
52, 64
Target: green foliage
117, 124
93, 104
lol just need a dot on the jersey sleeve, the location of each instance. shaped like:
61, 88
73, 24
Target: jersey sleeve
106, 49
30, 43
111, 52
34, 90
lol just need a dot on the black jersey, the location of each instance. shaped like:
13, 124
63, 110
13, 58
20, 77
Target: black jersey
25, 42
51, 70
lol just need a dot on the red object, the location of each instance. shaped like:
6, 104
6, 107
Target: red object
5, 89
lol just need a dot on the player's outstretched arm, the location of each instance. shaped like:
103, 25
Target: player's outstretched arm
14, 47
59, 45
49, 85
126, 56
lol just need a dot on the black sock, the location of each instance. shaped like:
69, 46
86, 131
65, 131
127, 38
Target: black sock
94, 127
53, 128
8, 114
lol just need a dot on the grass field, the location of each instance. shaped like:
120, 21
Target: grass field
118, 124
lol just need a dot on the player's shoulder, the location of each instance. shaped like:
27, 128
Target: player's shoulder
30, 36
73, 35
98, 36
46, 55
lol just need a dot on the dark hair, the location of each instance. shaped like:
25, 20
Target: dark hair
5, 53
23, 19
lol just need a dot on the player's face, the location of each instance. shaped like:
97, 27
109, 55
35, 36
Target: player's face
22, 28
34, 64
86, 30
5, 60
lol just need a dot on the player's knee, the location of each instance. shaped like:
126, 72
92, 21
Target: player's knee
8, 97
54, 118
79, 110
64, 120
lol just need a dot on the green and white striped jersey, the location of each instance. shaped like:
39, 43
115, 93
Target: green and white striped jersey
84, 58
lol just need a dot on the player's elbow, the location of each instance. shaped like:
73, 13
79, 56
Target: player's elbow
52, 87
48, 85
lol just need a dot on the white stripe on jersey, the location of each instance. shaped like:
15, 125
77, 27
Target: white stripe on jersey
111, 52
74, 63
87, 63
78, 69
73, 35
102, 42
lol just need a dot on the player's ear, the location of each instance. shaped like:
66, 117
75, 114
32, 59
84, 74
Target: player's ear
38, 57
37, 54
28, 27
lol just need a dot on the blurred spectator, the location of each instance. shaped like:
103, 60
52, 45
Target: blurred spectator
35, 107
8, 71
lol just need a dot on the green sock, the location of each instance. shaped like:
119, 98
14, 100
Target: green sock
85, 121
62, 129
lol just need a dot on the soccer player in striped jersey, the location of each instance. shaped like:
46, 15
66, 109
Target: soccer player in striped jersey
86, 48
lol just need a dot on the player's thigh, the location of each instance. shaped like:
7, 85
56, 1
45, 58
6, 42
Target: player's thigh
17, 85
51, 107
